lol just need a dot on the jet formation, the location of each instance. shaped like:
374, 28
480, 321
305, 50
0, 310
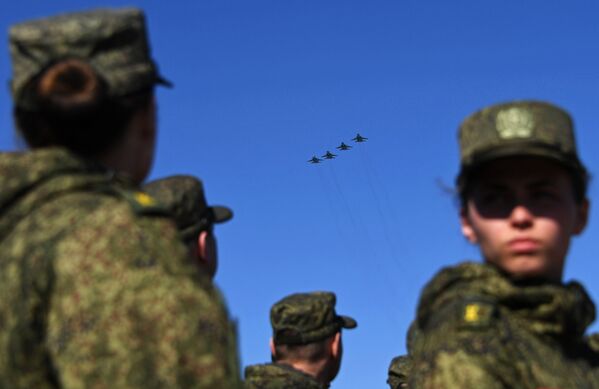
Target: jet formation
343, 147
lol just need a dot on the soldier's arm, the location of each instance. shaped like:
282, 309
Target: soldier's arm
129, 312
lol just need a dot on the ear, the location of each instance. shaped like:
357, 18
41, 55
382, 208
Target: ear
467, 229
336, 345
203, 247
582, 217
273, 350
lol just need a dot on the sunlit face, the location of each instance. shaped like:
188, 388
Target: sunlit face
522, 213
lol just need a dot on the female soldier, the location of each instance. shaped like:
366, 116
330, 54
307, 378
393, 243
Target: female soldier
510, 322
97, 289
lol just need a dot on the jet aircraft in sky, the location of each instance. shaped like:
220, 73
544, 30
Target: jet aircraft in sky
343, 147
314, 159
359, 139
329, 155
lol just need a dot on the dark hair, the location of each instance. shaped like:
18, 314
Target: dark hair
310, 352
580, 181
72, 109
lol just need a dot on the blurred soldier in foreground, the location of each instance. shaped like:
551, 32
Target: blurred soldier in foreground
306, 344
511, 322
97, 289
184, 197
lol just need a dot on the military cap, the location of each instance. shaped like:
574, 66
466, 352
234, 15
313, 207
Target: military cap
303, 318
183, 196
520, 128
399, 372
112, 41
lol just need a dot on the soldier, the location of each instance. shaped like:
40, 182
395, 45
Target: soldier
184, 197
306, 344
511, 322
400, 367
399, 370
97, 289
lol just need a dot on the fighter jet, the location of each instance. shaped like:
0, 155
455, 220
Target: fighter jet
343, 147
314, 159
359, 139
329, 155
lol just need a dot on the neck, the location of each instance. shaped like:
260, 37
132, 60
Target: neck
318, 370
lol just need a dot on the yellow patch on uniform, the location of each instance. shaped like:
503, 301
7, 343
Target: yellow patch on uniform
144, 199
478, 314
472, 313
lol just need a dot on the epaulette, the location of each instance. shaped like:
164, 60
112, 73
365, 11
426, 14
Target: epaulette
477, 313
141, 202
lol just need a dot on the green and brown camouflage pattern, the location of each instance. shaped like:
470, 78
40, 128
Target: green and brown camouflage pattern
184, 197
97, 288
519, 128
399, 372
112, 41
479, 329
278, 376
303, 318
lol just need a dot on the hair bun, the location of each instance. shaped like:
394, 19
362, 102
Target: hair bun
70, 85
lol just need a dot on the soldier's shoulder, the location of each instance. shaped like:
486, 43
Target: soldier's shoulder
453, 300
593, 341
278, 376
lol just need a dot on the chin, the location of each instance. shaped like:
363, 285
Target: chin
522, 268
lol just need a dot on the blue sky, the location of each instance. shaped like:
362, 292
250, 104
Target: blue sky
261, 86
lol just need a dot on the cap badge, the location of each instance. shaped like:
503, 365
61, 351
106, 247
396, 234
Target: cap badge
514, 123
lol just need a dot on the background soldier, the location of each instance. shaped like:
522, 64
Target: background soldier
306, 344
183, 196
399, 370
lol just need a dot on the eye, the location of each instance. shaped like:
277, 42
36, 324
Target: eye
545, 194
493, 198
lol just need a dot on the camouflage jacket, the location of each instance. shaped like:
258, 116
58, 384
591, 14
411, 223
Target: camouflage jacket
97, 291
478, 329
278, 376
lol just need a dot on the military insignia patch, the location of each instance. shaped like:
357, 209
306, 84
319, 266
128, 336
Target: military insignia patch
144, 199
514, 122
477, 314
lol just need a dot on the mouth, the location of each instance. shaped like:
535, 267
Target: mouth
524, 245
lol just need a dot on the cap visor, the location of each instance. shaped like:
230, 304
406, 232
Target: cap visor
163, 81
522, 149
222, 214
348, 322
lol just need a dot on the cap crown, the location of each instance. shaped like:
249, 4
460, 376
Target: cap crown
184, 197
518, 128
112, 41
306, 317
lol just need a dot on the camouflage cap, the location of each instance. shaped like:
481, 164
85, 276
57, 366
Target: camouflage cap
112, 41
303, 318
399, 372
184, 197
520, 128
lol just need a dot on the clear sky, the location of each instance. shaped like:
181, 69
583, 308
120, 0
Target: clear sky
261, 86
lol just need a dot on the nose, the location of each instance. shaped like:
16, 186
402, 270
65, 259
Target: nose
521, 217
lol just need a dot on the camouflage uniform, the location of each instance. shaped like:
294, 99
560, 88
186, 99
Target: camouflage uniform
279, 376
476, 327
97, 289
297, 319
